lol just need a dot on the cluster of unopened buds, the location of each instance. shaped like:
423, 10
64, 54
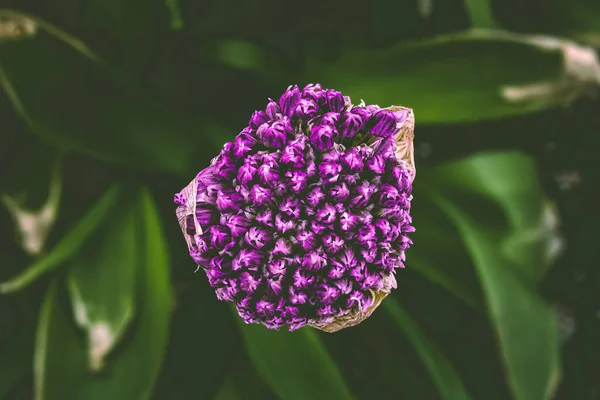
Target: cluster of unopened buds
303, 218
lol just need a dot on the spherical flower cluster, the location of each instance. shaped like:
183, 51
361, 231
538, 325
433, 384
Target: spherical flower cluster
303, 218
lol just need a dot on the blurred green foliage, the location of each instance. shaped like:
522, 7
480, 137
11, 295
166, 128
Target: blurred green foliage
128, 99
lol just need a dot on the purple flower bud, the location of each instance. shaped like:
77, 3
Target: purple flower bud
290, 205
297, 296
206, 215
376, 164
283, 224
330, 171
265, 217
339, 192
314, 261
273, 111
289, 100
257, 238
318, 228
312, 91
344, 285
307, 240
257, 119
237, 224
297, 180
350, 123
244, 144
327, 294
277, 267
274, 134
260, 195
348, 221
352, 161
220, 237
179, 199
329, 118
333, 243
229, 200
246, 174
224, 166
248, 283
326, 214
389, 196
382, 124
315, 197
336, 271
302, 279
282, 247
369, 251
322, 136
264, 308
383, 228
362, 194
249, 259
290, 312
366, 233
306, 109
372, 282
274, 286
335, 100
268, 175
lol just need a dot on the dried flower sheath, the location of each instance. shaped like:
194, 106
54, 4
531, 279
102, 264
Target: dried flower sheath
303, 218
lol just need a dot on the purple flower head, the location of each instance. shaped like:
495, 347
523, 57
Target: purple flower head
303, 219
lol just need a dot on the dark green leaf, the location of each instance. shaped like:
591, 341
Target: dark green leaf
15, 362
68, 246
296, 365
465, 77
510, 180
480, 12
101, 281
61, 364
525, 325
102, 112
444, 376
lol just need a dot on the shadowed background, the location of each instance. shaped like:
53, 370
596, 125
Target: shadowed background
108, 108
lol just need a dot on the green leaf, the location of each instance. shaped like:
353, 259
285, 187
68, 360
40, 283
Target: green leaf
465, 77
101, 282
15, 362
525, 325
61, 362
175, 14
480, 12
133, 27
296, 365
103, 112
444, 376
68, 246
530, 237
